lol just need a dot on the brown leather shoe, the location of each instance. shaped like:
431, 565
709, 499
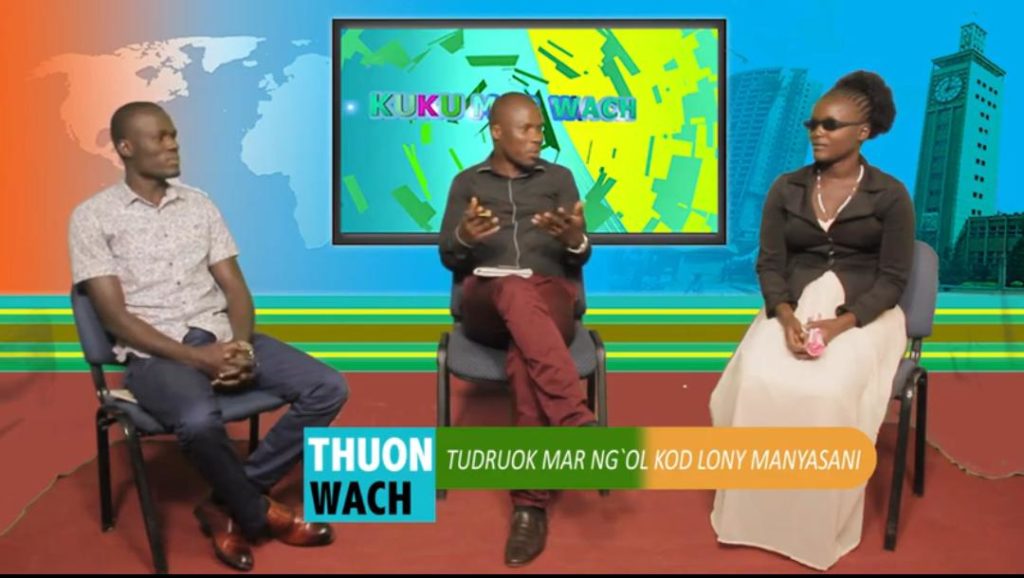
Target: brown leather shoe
228, 543
286, 525
527, 537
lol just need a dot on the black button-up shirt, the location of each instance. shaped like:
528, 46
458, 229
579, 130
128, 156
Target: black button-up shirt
869, 246
518, 243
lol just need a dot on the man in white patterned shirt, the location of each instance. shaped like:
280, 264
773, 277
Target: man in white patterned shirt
159, 264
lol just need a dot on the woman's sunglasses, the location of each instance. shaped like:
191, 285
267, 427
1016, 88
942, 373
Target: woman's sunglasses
830, 124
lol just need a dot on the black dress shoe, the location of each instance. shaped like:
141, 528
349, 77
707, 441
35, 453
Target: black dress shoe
527, 536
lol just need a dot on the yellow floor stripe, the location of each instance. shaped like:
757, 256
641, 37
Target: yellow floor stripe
274, 311
688, 311
669, 354
444, 311
23, 311
40, 355
422, 311
728, 354
353, 311
374, 354
611, 354
973, 355
997, 311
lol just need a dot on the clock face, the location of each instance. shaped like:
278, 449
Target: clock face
948, 88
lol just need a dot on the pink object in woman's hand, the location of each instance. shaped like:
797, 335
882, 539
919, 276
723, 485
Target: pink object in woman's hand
815, 343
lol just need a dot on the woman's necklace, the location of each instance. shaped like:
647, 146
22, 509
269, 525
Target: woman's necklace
821, 203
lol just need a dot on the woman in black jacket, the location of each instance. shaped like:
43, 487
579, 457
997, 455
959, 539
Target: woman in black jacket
837, 241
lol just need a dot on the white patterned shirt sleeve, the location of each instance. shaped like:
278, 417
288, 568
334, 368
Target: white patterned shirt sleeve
90, 254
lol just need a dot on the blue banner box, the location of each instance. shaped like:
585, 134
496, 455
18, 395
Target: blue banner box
384, 475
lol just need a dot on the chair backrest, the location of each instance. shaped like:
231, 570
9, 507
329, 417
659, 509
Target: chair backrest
920, 294
97, 344
575, 275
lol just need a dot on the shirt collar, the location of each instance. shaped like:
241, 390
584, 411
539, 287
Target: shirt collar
127, 196
486, 167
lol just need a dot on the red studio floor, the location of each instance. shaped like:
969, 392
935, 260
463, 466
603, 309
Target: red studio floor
971, 518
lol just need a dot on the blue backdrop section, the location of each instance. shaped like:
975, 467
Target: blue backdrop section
257, 137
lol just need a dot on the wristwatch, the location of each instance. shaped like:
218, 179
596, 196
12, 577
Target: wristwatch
582, 247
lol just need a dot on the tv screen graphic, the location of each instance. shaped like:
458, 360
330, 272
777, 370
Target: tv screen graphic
634, 109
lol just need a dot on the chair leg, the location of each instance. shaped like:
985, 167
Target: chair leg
254, 433
602, 382
447, 398
103, 464
898, 469
149, 514
602, 399
922, 431
444, 415
602, 403
592, 393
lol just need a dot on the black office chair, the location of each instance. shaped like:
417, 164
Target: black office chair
97, 345
473, 362
918, 304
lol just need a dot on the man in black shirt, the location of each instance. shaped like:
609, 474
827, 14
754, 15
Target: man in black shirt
520, 217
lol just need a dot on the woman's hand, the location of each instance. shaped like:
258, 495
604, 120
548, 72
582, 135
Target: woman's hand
832, 328
793, 331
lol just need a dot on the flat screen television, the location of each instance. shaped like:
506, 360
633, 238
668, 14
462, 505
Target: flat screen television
634, 108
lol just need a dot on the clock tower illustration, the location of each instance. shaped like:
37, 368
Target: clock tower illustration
958, 166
